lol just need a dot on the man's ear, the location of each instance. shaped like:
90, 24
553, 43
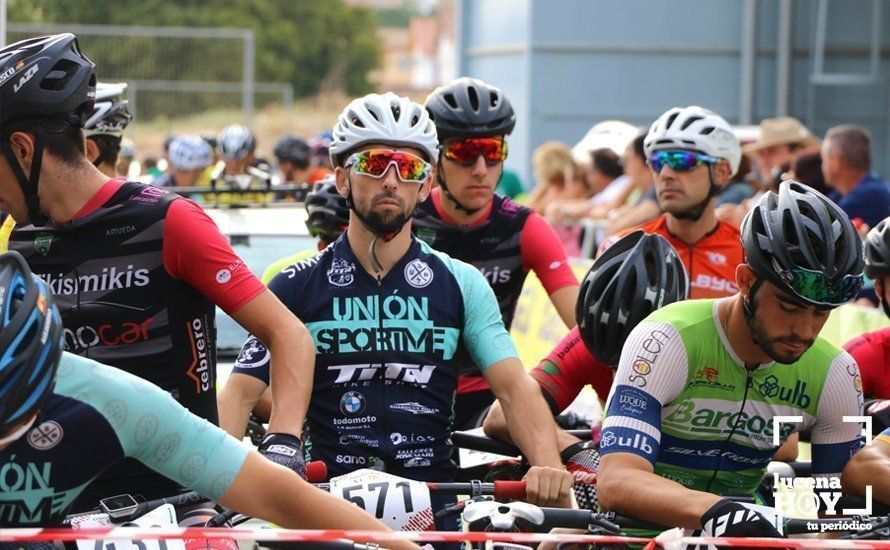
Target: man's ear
745, 278
342, 183
722, 173
93, 151
23, 145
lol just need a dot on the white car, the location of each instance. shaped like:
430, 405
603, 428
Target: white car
259, 236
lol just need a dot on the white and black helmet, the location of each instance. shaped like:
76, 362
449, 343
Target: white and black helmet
235, 142
387, 119
698, 129
110, 115
190, 153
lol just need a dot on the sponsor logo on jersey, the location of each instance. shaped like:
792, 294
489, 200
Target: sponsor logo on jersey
424, 452
646, 357
27, 492
417, 462
688, 418
122, 230
200, 369
716, 258
496, 274
400, 372
413, 407
223, 276
714, 453
398, 438
43, 242
352, 403
253, 355
796, 395
110, 278
418, 274
852, 370
351, 460
360, 420
349, 439
636, 441
709, 377
426, 235
45, 436
149, 194
341, 272
84, 337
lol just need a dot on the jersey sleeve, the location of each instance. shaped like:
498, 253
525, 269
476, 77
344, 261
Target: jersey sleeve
646, 380
567, 369
162, 434
869, 361
483, 332
544, 253
196, 252
833, 440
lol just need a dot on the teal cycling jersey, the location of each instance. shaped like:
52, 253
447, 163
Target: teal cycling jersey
683, 400
94, 418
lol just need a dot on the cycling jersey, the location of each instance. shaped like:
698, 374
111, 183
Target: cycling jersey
872, 353
884, 436
385, 382
684, 401
710, 262
5, 230
505, 244
136, 290
567, 369
282, 263
95, 416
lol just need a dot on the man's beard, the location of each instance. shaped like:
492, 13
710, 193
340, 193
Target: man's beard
385, 223
770, 344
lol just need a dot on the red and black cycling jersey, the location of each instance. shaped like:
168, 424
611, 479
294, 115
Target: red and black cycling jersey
567, 369
505, 244
872, 353
136, 274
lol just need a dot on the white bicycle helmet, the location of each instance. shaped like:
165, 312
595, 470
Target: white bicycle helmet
698, 129
110, 115
190, 153
235, 142
387, 119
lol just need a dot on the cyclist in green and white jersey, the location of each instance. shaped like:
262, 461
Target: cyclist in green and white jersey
328, 218
689, 417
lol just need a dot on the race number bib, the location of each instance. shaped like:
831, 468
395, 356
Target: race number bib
164, 516
402, 504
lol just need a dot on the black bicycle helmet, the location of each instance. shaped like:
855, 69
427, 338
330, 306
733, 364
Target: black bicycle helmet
43, 79
637, 275
293, 149
803, 243
877, 250
30, 340
469, 107
328, 211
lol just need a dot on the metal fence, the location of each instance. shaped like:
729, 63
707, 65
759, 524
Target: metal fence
172, 71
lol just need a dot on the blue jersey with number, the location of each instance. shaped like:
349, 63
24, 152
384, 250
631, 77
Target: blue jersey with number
96, 416
385, 381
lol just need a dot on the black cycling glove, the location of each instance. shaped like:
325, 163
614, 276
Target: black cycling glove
582, 461
284, 449
732, 519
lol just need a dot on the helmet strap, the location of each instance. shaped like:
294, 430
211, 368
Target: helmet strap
28, 185
457, 205
748, 302
885, 306
695, 213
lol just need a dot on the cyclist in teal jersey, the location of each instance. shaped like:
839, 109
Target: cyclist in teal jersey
689, 416
57, 409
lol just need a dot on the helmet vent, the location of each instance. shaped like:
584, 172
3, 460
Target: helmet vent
707, 131
474, 98
58, 77
450, 100
671, 119
690, 121
494, 99
396, 110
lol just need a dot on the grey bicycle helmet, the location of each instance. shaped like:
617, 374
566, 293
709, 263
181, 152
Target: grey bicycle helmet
468, 107
877, 250
110, 115
637, 275
236, 142
803, 243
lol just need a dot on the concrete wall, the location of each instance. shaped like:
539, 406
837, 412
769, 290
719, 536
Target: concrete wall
567, 64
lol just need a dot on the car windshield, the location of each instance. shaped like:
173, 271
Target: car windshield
257, 251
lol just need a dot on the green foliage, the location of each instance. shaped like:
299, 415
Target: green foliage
316, 45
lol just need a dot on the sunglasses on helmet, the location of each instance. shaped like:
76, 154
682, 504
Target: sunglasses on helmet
375, 163
466, 151
815, 286
679, 161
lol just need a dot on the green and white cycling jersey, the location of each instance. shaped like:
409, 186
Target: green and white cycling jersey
684, 401
283, 263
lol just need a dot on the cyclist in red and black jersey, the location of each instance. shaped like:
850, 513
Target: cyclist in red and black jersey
635, 276
872, 350
465, 219
136, 269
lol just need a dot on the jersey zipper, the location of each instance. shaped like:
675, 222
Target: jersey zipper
748, 384
382, 338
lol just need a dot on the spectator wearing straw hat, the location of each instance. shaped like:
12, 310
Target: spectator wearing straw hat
780, 139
